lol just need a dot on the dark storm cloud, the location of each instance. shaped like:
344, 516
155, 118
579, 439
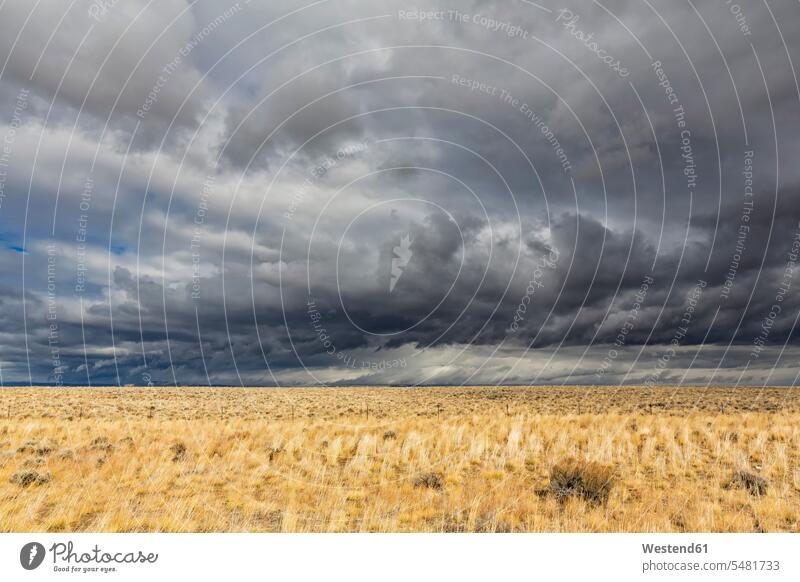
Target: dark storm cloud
345, 193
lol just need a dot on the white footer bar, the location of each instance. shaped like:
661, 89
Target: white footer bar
400, 557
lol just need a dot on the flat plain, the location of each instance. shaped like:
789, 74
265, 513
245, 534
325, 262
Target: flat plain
453, 459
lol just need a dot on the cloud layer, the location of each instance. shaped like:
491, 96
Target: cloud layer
381, 193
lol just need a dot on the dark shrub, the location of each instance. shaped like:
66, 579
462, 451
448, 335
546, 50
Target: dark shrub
587, 480
101, 444
27, 478
178, 452
754, 484
429, 480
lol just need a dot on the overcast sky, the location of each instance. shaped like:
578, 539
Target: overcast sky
274, 192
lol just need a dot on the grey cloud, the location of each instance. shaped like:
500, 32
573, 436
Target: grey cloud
231, 267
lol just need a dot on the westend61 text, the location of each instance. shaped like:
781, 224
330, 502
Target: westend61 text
670, 549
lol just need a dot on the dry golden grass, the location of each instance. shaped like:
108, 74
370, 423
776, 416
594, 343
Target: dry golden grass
439, 459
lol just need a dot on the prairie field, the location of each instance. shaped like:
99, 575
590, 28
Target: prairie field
466, 459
